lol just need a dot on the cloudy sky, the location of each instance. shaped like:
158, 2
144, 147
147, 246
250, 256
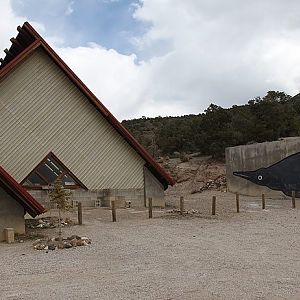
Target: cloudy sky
168, 57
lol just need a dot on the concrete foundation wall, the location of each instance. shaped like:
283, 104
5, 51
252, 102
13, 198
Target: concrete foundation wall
153, 189
97, 198
253, 157
11, 214
102, 198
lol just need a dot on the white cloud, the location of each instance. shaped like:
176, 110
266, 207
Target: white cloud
224, 52
69, 9
199, 52
9, 22
113, 77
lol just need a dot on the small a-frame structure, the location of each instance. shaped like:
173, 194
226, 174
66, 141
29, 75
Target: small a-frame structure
15, 201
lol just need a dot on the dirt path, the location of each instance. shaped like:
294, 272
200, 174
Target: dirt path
251, 255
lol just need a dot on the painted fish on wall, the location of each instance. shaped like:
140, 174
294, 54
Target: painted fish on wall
282, 176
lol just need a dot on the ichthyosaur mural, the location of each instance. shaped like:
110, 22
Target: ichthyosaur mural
282, 176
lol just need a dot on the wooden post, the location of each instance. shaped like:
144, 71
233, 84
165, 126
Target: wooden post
113, 211
263, 201
213, 208
293, 199
150, 207
79, 213
237, 199
9, 235
181, 205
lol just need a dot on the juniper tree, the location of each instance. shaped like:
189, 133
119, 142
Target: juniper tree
59, 196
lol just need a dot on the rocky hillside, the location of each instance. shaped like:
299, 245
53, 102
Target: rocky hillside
195, 174
263, 119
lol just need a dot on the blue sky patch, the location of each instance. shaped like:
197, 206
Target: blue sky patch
109, 23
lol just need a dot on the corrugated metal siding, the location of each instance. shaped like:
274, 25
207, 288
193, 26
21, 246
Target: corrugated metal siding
42, 111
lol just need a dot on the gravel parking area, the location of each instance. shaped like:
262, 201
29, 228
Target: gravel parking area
251, 255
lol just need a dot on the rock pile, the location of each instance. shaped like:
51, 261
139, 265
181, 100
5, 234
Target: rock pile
218, 184
185, 212
47, 222
69, 242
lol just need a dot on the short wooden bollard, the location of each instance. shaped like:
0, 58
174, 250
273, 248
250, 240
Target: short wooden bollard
181, 205
79, 213
263, 201
213, 207
9, 235
113, 211
237, 200
293, 199
150, 207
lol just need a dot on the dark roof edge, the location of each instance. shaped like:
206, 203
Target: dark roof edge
23, 39
160, 173
32, 206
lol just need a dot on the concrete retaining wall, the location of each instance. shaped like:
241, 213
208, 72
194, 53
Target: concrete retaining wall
255, 156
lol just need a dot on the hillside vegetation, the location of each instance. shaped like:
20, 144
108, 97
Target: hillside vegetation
262, 119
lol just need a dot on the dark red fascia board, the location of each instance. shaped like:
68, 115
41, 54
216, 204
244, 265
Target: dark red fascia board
32, 206
160, 173
19, 58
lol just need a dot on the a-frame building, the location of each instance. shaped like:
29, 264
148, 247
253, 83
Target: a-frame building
52, 125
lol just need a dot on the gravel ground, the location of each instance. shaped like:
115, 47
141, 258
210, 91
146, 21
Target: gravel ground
251, 255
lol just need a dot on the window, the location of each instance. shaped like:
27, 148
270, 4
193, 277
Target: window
48, 171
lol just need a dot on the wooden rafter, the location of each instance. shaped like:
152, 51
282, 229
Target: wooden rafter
17, 44
21, 42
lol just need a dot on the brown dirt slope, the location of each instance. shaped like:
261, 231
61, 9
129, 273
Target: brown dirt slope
196, 175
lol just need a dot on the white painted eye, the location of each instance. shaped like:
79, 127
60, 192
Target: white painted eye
259, 177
